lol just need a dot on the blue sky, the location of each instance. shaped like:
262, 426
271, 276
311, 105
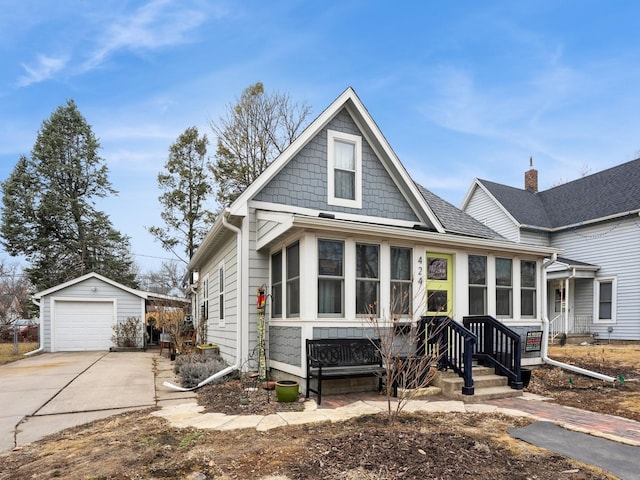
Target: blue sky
460, 89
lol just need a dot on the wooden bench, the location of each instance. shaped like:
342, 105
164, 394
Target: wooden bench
333, 358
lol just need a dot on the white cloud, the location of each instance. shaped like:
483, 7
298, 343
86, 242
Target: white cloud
45, 68
157, 24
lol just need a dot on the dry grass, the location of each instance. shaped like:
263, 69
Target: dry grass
7, 353
623, 355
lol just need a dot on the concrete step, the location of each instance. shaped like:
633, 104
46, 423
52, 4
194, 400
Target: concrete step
487, 386
453, 385
484, 394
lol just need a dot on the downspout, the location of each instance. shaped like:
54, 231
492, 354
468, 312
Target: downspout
40, 332
240, 296
545, 334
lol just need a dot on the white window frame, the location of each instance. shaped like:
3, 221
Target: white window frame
533, 289
596, 300
222, 280
332, 137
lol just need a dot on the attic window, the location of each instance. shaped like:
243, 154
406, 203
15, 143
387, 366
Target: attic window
344, 169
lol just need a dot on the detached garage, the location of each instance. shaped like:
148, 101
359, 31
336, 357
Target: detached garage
80, 314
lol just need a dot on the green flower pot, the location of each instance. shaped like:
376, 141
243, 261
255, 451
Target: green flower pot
287, 390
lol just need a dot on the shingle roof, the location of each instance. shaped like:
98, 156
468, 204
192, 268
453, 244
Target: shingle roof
455, 220
610, 192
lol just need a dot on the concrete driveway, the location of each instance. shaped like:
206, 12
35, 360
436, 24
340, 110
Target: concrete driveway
47, 393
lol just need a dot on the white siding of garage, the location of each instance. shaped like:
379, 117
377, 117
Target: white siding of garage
91, 289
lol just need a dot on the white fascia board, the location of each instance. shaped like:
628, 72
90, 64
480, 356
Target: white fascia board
284, 221
310, 212
75, 281
209, 240
419, 236
467, 198
499, 205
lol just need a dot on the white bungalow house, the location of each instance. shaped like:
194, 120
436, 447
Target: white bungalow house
593, 287
336, 224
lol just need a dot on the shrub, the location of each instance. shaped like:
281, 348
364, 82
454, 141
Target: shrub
127, 333
194, 368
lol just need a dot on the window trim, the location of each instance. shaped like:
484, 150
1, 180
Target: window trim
222, 307
533, 289
288, 281
508, 288
356, 140
407, 282
277, 301
360, 280
484, 287
342, 279
596, 300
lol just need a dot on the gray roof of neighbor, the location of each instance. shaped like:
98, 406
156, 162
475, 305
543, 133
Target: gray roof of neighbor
455, 220
610, 192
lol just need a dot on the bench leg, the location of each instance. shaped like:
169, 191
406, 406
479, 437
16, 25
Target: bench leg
319, 390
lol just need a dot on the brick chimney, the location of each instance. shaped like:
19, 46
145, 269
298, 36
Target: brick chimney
531, 178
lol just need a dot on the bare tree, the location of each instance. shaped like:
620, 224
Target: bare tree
410, 353
251, 135
167, 280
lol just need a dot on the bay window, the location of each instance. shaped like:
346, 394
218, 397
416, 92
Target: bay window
367, 278
331, 278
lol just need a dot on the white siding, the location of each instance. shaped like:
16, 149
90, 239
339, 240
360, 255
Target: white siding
485, 210
224, 336
613, 246
535, 238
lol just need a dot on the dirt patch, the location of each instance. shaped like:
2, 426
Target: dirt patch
621, 362
461, 446
137, 446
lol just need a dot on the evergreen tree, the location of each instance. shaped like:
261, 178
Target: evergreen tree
186, 184
48, 207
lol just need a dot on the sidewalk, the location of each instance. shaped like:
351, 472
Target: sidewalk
606, 426
342, 407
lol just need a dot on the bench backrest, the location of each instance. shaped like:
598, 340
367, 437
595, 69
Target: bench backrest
343, 352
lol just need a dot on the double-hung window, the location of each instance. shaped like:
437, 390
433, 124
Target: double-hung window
276, 285
527, 288
331, 278
477, 285
344, 169
504, 287
293, 280
367, 278
221, 286
401, 289
605, 300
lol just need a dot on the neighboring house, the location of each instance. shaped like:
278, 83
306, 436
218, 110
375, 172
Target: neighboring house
335, 227
10, 309
593, 288
81, 314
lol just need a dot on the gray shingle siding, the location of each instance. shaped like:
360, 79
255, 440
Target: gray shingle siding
285, 344
303, 181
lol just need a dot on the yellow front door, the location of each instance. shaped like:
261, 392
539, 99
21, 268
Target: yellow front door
439, 284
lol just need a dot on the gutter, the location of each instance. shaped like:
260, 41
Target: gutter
240, 297
40, 333
545, 335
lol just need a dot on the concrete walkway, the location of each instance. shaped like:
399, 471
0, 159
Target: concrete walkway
47, 393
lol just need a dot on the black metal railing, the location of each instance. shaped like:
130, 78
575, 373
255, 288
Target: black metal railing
498, 346
451, 343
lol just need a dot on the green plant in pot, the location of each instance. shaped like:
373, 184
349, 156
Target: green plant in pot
287, 390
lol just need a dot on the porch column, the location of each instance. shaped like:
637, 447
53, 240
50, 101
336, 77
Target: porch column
565, 303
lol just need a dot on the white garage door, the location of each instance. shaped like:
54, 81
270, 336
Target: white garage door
83, 325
